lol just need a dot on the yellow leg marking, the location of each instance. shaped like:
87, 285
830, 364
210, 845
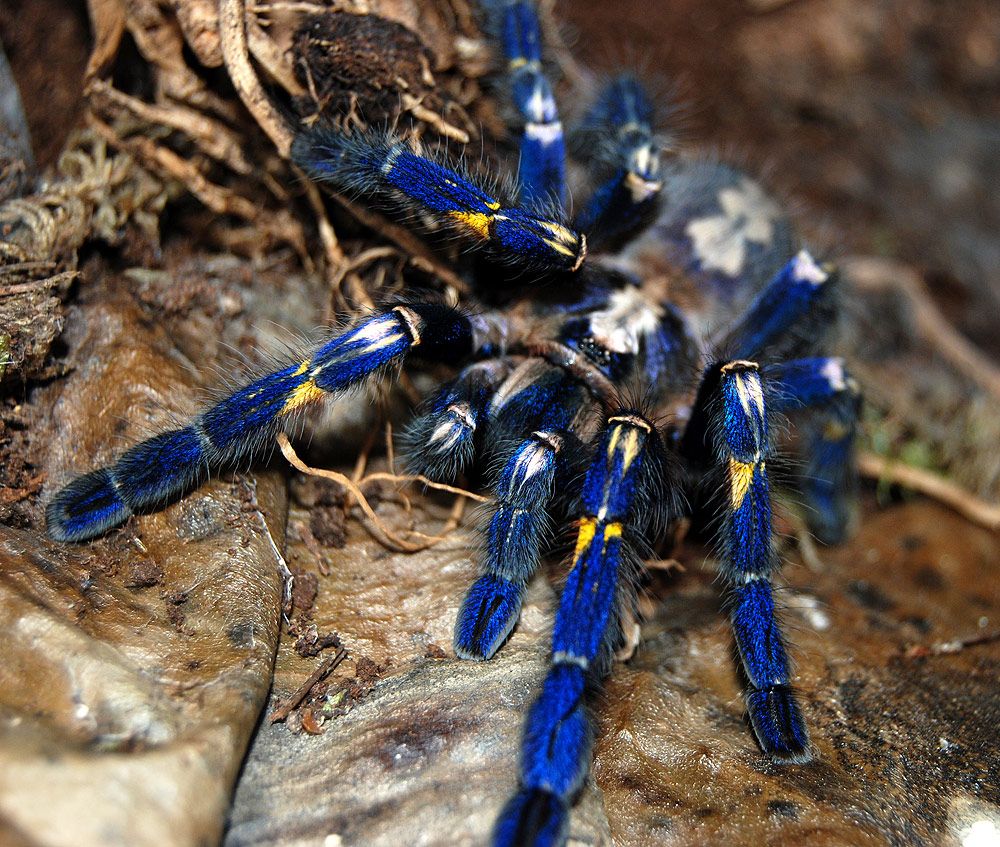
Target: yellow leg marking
613, 443
612, 530
478, 222
631, 448
834, 431
308, 392
588, 526
740, 477
559, 231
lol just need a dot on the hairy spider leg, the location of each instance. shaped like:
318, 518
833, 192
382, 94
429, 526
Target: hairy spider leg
787, 318
621, 125
519, 526
786, 315
542, 171
739, 427
556, 745
828, 477
513, 540
441, 443
241, 427
377, 166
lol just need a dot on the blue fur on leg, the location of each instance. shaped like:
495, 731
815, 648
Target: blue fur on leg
85, 508
161, 468
781, 309
757, 635
589, 597
380, 166
241, 426
620, 125
557, 734
829, 483
488, 614
441, 442
778, 725
542, 173
742, 443
151, 473
513, 541
531, 818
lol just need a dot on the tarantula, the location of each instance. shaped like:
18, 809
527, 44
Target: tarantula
562, 381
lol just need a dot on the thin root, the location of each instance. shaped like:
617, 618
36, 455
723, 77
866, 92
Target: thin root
382, 532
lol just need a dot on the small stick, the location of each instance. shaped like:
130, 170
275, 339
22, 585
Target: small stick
944, 648
414, 106
870, 273
430, 483
936, 487
420, 255
34, 285
326, 667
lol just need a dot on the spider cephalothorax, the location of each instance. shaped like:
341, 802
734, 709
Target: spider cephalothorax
536, 404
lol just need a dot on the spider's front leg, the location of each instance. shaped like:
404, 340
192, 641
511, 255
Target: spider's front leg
619, 127
440, 443
557, 737
386, 170
732, 399
241, 427
542, 172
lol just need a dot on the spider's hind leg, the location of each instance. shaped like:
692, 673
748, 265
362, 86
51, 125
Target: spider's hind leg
825, 402
619, 127
789, 316
542, 174
788, 319
730, 411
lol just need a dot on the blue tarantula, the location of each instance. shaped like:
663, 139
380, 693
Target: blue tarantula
541, 395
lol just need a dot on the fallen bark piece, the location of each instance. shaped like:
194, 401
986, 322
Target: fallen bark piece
135, 667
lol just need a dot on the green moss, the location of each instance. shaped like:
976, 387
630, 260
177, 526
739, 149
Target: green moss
5, 358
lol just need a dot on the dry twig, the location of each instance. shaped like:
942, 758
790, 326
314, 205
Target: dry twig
870, 273
325, 668
936, 487
944, 648
233, 35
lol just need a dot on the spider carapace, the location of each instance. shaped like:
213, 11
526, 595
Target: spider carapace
561, 392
